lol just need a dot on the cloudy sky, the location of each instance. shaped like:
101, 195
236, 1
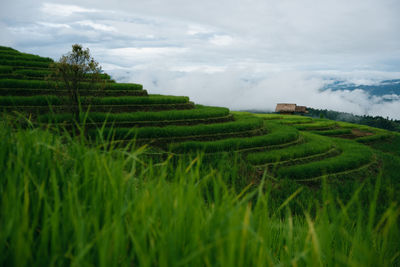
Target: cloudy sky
243, 54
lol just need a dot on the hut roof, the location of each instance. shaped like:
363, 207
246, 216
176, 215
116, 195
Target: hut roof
285, 107
301, 109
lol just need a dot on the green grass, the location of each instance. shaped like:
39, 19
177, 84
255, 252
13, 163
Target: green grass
278, 134
373, 138
24, 57
123, 100
315, 125
64, 203
353, 156
270, 116
37, 84
297, 120
11, 76
43, 73
5, 69
137, 100
34, 73
313, 145
199, 112
333, 132
241, 124
32, 100
7, 49
65, 200
24, 63
390, 145
64, 92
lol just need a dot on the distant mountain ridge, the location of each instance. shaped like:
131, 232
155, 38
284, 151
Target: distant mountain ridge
384, 87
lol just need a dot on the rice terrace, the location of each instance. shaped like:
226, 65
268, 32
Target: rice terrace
141, 179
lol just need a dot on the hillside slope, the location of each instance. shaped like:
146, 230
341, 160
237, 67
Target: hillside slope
298, 148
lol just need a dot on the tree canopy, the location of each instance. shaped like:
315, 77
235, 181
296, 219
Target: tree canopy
74, 68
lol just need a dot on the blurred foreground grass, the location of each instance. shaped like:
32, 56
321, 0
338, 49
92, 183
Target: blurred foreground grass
65, 203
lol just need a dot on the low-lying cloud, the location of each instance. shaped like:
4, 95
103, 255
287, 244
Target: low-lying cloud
234, 89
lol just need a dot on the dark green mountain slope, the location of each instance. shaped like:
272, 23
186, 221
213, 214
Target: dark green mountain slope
298, 148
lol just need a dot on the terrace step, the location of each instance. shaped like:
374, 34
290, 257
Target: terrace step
353, 173
315, 126
25, 63
99, 108
254, 149
163, 141
274, 138
311, 145
353, 156
297, 122
126, 124
30, 68
14, 75
301, 160
240, 124
97, 93
4, 53
271, 147
334, 132
41, 84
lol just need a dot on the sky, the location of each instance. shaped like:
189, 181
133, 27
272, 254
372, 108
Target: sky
247, 54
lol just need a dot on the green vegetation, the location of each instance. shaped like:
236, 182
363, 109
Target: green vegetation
38, 84
23, 57
25, 63
312, 145
64, 203
333, 132
30, 101
125, 100
199, 112
352, 157
374, 121
7, 49
46, 73
206, 189
151, 99
63, 92
240, 125
315, 125
71, 70
278, 135
5, 69
373, 138
389, 145
297, 121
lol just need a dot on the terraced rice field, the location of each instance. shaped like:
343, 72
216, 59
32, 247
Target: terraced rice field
329, 149
119, 112
279, 146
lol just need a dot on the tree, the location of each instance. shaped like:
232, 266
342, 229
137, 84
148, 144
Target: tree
75, 69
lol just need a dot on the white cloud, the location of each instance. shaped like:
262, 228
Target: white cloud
198, 68
221, 40
230, 88
64, 10
145, 52
54, 25
6, 37
198, 29
229, 53
96, 26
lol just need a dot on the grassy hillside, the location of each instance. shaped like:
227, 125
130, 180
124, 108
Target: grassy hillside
150, 180
64, 202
